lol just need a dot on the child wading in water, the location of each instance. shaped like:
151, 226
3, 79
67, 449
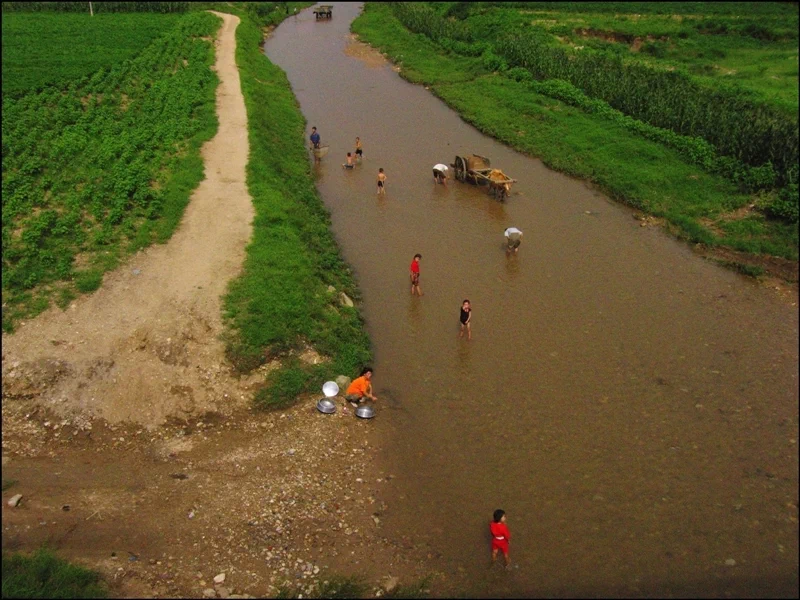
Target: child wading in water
415, 275
500, 536
381, 181
466, 317
359, 149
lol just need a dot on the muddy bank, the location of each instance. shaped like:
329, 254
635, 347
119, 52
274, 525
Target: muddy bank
277, 500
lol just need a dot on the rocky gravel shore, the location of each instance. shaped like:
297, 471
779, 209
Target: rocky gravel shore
242, 505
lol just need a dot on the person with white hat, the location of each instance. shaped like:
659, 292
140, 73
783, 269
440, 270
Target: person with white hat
440, 173
513, 240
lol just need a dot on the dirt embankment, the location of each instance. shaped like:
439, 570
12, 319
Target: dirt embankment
130, 439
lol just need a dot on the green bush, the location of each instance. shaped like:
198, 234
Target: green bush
783, 205
492, 62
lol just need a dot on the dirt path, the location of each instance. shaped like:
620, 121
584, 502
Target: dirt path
144, 347
131, 441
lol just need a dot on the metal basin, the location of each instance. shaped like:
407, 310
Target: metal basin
330, 389
326, 406
365, 412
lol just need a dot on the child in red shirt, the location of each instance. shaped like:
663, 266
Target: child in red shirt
500, 536
415, 275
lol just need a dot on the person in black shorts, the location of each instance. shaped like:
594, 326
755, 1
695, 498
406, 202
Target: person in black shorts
465, 318
359, 150
381, 181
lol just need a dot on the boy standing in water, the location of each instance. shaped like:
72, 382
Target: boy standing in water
415, 275
466, 317
381, 181
500, 536
349, 163
359, 151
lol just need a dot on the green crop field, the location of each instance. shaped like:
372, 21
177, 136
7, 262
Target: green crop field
95, 167
47, 48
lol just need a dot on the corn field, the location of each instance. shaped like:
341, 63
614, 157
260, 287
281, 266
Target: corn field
738, 126
97, 7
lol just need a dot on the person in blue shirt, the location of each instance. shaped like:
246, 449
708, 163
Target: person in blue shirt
314, 137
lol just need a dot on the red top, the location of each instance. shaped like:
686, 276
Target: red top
415, 266
499, 530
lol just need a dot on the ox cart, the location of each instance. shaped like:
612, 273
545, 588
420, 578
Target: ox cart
478, 170
323, 11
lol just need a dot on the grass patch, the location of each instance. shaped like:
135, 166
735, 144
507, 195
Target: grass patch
281, 302
88, 281
639, 172
44, 575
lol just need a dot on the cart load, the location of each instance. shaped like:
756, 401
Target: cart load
477, 169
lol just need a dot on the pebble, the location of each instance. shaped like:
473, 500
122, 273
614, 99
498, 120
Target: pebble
209, 593
291, 452
730, 563
219, 578
14, 501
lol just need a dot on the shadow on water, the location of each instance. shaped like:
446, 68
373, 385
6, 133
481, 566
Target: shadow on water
619, 397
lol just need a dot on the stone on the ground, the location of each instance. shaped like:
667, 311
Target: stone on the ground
390, 584
223, 592
343, 381
14, 500
209, 593
345, 300
219, 578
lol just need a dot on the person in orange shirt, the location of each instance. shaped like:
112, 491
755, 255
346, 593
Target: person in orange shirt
500, 536
361, 388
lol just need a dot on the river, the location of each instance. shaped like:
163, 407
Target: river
631, 406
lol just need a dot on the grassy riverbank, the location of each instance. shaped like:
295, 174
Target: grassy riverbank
288, 297
634, 163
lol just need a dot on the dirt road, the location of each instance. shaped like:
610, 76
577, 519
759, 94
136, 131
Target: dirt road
130, 438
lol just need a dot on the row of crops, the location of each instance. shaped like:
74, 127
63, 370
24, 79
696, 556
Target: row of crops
85, 165
760, 138
97, 7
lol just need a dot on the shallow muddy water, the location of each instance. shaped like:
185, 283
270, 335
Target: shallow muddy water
632, 407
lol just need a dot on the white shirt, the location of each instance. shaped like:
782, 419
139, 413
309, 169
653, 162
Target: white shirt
440, 167
511, 230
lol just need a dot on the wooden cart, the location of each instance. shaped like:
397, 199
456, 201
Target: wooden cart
478, 170
323, 11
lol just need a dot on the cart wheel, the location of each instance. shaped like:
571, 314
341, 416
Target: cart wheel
501, 193
461, 169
